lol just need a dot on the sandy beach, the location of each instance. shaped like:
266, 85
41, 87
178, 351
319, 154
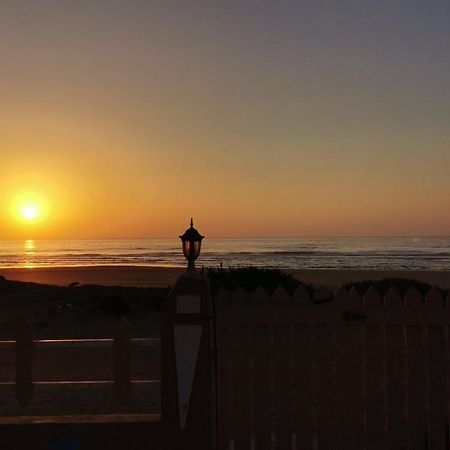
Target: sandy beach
132, 276
166, 276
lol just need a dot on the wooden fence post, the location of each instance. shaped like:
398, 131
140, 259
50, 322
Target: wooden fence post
188, 367
122, 360
24, 362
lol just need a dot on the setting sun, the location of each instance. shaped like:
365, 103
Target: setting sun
29, 208
30, 211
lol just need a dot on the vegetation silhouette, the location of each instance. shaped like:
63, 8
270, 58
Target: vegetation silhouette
250, 278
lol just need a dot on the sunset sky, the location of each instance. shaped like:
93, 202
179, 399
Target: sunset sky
276, 118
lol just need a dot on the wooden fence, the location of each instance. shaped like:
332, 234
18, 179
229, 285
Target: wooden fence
117, 376
356, 372
249, 371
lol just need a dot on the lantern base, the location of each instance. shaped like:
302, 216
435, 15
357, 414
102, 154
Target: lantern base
191, 271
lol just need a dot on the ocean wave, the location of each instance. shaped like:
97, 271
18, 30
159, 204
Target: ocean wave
327, 253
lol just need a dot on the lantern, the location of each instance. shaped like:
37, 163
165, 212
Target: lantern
191, 242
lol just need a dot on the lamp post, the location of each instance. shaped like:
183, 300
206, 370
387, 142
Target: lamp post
188, 383
191, 242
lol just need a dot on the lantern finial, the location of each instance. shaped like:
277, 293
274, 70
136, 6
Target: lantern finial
192, 222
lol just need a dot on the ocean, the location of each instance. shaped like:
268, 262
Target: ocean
383, 253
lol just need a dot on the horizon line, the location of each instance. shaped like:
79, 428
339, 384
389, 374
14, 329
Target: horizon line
389, 236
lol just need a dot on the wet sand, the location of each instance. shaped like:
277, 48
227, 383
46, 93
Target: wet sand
132, 276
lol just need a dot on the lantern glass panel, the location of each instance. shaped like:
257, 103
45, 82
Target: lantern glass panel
197, 245
186, 248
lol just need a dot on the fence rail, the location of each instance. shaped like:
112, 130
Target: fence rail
91, 342
78, 372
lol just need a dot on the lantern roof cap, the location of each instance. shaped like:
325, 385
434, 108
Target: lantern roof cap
191, 234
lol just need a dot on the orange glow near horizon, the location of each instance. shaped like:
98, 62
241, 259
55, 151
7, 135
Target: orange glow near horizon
138, 202
268, 121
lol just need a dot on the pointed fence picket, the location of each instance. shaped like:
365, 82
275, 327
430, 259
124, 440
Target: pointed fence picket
331, 370
372, 300
302, 296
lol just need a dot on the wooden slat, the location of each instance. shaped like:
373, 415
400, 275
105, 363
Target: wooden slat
240, 297
340, 298
280, 296
396, 393
302, 296
414, 299
375, 387
259, 298
325, 387
349, 363
224, 400
417, 412
282, 387
122, 360
354, 300
303, 354
437, 379
372, 299
393, 299
241, 398
261, 383
24, 362
434, 299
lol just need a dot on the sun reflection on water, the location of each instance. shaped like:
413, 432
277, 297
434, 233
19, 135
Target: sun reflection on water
29, 247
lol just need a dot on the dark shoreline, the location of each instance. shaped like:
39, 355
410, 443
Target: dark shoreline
142, 276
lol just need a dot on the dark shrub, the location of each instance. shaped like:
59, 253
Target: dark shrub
154, 298
115, 305
249, 278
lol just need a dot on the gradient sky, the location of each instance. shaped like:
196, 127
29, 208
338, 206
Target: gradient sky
286, 118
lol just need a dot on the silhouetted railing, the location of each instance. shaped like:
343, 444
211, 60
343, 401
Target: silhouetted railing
85, 373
